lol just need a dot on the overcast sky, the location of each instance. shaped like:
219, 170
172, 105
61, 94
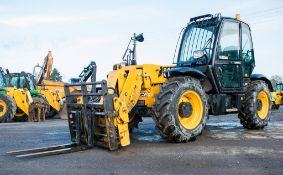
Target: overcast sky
78, 32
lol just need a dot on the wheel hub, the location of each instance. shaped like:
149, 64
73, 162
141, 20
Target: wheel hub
185, 109
259, 105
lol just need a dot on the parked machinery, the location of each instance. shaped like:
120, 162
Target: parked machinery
42, 77
43, 81
17, 104
212, 75
277, 94
51, 99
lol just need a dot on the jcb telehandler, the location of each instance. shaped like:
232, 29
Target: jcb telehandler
212, 75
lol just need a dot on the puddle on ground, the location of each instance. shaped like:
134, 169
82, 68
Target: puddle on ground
227, 135
277, 123
225, 125
56, 133
154, 138
234, 130
148, 133
217, 128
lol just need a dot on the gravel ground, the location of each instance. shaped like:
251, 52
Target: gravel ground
225, 147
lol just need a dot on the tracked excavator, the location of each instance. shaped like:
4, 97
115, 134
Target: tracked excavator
212, 75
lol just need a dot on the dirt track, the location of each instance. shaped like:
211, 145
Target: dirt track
225, 147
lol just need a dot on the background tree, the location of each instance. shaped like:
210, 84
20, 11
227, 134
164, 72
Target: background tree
276, 79
55, 75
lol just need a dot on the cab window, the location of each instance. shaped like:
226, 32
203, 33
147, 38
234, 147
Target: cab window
247, 51
228, 48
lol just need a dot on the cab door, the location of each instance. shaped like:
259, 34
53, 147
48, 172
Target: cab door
228, 65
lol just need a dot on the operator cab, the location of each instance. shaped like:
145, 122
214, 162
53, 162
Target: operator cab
22, 80
279, 87
2, 78
219, 48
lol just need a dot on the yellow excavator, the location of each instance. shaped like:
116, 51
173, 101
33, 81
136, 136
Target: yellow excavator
52, 91
42, 78
212, 75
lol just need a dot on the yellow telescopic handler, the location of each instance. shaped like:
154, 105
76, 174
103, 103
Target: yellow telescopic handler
212, 75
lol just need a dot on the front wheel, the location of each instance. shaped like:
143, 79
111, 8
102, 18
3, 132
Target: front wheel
255, 110
181, 109
51, 113
7, 108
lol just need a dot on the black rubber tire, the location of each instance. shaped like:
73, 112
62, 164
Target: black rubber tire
23, 118
42, 100
11, 108
50, 113
248, 112
165, 109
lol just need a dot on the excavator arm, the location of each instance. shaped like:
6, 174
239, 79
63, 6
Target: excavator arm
46, 68
42, 79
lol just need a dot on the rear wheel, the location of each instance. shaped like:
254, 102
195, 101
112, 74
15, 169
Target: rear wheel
51, 113
20, 116
181, 109
38, 99
255, 110
7, 108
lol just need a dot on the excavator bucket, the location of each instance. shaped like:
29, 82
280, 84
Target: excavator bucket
90, 115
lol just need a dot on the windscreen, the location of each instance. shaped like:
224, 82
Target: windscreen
22, 82
15, 82
31, 83
196, 37
2, 80
279, 87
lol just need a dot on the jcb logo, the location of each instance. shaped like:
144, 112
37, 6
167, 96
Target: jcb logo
143, 94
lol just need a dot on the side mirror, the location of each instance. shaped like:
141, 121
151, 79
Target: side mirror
139, 37
198, 54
